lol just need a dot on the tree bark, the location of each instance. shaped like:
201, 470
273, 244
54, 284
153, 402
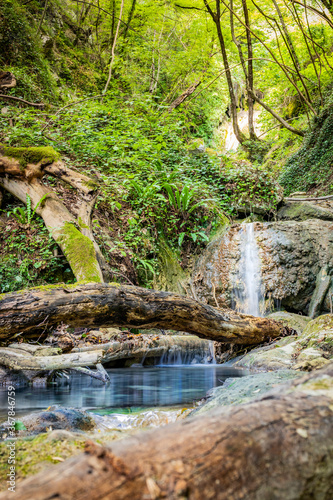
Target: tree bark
278, 446
216, 16
180, 99
34, 310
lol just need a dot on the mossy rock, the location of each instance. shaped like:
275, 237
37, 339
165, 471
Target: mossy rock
319, 335
303, 210
241, 390
171, 278
295, 321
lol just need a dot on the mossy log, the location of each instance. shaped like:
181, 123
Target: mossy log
91, 305
21, 173
277, 447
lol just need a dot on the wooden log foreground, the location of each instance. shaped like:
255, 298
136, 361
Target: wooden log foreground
99, 304
277, 447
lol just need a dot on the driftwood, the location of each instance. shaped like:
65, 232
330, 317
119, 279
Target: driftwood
97, 304
277, 447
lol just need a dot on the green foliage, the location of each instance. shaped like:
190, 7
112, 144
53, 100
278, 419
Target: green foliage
24, 215
311, 166
27, 255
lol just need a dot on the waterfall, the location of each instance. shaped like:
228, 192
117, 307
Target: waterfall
177, 356
248, 287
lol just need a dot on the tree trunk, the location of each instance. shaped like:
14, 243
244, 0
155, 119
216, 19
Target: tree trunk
277, 447
216, 16
74, 236
250, 80
34, 310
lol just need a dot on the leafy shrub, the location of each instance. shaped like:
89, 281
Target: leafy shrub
311, 166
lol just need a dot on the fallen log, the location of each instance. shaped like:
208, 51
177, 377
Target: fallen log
27, 357
278, 446
100, 304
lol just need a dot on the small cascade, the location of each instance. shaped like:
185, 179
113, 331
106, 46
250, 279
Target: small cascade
249, 299
176, 356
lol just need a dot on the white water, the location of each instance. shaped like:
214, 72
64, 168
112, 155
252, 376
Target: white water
177, 356
248, 289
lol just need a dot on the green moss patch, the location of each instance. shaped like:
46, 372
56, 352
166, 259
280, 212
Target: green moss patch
80, 253
31, 155
35, 455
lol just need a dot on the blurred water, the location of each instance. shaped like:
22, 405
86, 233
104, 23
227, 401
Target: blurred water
248, 289
135, 387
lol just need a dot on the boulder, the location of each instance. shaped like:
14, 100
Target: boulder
303, 210
69, 419
295, 321
241, 390
294, 255
312, 349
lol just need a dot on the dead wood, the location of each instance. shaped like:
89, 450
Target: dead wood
44, 359
38, 105
180, 99
91, 305
278, 446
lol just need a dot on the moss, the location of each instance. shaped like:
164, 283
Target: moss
90, 184
31, 155
80, 253
34, 455
82, 224
171, 276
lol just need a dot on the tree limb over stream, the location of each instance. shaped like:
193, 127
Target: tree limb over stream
278, 446
100, 304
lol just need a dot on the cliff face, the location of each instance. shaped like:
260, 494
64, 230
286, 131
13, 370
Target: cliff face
296, 265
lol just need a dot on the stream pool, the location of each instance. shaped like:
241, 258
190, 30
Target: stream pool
130, 388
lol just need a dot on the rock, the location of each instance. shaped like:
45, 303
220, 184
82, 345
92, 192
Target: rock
319, 335
241, 390
295, 321
322, 285
197, 147
292, 254
278, 356
303, 210
69, 419
311, 350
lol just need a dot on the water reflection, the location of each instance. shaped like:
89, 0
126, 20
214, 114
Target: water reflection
129, 387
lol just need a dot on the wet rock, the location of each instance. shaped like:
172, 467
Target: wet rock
292, 255
303, 210
295, 321
275, 357
241, 390
54, 418
323, 282
311, 350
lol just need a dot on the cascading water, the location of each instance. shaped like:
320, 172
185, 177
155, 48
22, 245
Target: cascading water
178, 356
248, 286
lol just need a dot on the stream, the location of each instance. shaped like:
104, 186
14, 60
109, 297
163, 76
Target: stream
134, 389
